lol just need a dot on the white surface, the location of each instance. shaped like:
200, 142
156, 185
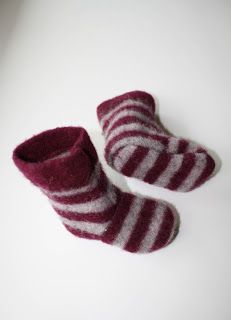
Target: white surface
62, 58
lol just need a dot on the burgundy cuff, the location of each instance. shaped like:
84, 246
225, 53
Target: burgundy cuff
57, 159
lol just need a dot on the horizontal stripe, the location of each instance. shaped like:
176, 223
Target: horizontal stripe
133, 120
98, 217
83, 197
125, 103
106, 201
142, 135
127, 113
127, 128
134, 140
136, 109
91, 227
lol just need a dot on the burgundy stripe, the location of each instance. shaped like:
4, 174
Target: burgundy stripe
210, 165
178, 178
99, 191
159, 166
134, 133
108, 105
182, 145
128, 108
141, 227
102, 216
164, 231
134, 161
82, 234
81, 198
133, 120
118, 219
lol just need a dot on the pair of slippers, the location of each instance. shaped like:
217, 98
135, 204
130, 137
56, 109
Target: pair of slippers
64, 164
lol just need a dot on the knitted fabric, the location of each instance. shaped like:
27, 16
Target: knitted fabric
138, 146
63, 163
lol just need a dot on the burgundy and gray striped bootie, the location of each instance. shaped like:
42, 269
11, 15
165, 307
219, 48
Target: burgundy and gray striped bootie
63, 163
137, 146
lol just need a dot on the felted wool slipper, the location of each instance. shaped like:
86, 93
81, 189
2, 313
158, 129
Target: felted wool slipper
139, 147
64, 164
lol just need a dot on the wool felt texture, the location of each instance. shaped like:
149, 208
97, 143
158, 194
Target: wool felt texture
64, 164
138, 146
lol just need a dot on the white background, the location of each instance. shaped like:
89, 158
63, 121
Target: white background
59, 60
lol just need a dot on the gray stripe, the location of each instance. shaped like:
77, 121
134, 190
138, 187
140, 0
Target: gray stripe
173, 166
154, 227
138, 141
146, 164
100, 204
192, 147
200, 164
173, 144
123, 156
129, 222
125, 103
126, 113
129, 127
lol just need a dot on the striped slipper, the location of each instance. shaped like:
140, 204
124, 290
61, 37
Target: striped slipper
63, 163
139, 147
